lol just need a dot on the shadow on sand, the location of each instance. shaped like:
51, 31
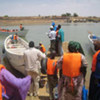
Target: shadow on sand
43, 97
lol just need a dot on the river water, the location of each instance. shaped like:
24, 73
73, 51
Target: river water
73, 32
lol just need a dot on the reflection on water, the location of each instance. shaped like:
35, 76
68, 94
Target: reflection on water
73, 32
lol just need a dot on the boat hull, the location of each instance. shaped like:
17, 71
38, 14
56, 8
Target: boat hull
20, 33
16, 60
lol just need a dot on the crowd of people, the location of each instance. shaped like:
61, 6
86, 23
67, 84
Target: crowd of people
67, 74
56, 36
14, 30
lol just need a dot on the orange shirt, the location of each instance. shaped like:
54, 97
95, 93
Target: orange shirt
43, 48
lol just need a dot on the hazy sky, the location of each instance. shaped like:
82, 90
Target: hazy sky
49, 7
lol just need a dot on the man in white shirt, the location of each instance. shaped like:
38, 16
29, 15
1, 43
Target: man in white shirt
32, 58
52, 36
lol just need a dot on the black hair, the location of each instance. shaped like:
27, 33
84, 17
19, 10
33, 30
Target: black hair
31, 44
53, 54
59, 26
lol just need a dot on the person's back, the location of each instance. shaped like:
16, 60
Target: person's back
52, 35
52, 74
32, 58
61, 33
73, 75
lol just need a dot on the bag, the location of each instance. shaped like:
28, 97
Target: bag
84, 93
41, 83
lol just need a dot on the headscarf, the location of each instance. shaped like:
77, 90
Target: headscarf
75, 47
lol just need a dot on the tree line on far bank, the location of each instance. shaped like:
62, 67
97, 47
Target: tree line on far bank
69, 15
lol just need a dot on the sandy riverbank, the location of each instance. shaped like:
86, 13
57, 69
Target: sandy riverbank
10, 22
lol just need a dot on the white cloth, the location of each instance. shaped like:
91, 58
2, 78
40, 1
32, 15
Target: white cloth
52, 35
34, 87
32, 58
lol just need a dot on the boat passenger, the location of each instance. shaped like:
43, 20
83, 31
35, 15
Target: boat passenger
42, 48
32, 58
52, 36
71, 82
94, 87
12, 88
16, 37
52, 74
21, 27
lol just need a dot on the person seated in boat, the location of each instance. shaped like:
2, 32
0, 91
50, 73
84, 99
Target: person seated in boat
3, 30
72, 80
94, 37
94, 87
16, 37
16, 30
12, 88
21, 27
12, 39
42, 48
7, 30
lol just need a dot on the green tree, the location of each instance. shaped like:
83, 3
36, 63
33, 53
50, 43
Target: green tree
5, 15
63, 15
75, 15
68, 14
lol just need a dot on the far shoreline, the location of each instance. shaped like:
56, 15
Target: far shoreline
11, 21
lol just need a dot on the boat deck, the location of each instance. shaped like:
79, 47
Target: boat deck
16, 47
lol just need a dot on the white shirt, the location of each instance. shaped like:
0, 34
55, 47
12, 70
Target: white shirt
32, 58
52, 35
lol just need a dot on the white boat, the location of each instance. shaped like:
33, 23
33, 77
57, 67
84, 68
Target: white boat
90, 37
14, 53
11, 32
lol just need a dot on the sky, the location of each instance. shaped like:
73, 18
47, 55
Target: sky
49, 7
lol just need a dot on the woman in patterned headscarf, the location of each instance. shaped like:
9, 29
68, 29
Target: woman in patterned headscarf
72, 64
